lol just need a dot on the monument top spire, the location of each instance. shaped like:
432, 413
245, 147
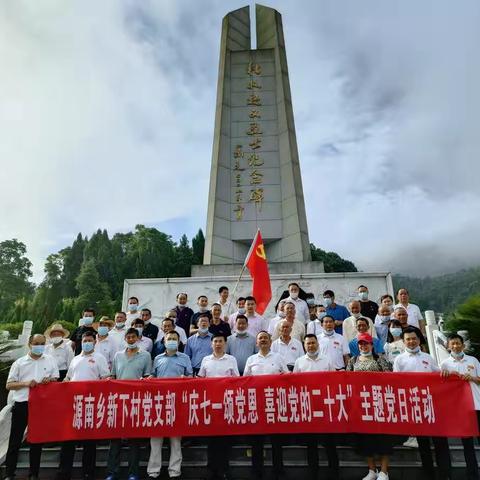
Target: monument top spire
255, 179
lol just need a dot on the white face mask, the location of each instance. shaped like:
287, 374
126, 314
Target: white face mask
57, 340
294, 295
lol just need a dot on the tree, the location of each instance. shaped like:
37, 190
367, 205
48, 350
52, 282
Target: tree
332, 262
15, 270
198, 247
152, 252
467, 317
72, 263
183, 258
92, 292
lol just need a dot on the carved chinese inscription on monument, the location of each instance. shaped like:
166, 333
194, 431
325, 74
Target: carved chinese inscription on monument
250, 160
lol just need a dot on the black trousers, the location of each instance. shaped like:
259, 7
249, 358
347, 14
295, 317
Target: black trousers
67, 454
470, 457
328, 443
19, 423
258, 442
218, 454
442, 457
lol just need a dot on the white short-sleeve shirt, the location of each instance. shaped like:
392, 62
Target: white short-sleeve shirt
107, 347
181, 333
26, 369
334, 347
288, 351
269, 364
225, 366
91, 366
301, 309
308, 364
467, 364
415, 362
256, 323
63, 354
314, 327
414, 314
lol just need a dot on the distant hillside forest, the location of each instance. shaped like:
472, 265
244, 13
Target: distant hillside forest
443, 293
90, 273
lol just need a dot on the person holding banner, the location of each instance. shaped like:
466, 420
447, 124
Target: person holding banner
372, 445
27, 372
129, 364
218, 364
171, 364
414, 360
266, 362
313, 361
89, 365
467, 368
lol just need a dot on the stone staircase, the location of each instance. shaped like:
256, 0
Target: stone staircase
405, 463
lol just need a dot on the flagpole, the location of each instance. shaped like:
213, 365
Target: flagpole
242, 270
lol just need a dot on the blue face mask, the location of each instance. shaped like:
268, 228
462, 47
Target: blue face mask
87, 347
102, 331
131, 347
203, 330
363, 295
310, 301
365, 354
38, 349
132, 307
328, 301
87, 321
413, 350
171, 345
241, 310
321, 315
457, 356
396, 331
384, 318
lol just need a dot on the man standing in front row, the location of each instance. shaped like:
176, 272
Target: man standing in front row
25, 373
218, 364
129, 364
414, 360
314, 361
89, 365
266, 362
171, 364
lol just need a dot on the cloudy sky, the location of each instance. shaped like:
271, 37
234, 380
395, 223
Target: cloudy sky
107, 113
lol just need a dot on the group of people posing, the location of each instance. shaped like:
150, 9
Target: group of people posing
216, 340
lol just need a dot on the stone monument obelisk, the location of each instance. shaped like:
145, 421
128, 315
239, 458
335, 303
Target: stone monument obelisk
255, 179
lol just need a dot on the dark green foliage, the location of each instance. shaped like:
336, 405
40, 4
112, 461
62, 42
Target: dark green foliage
467, 317
15, 270
443, 293
89, 273
332, 262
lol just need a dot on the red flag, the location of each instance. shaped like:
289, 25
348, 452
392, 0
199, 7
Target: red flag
257, 264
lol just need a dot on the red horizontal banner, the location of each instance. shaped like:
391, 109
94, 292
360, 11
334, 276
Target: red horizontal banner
389, 403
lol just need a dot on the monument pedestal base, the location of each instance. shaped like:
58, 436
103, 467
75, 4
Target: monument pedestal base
274, 268
159, 294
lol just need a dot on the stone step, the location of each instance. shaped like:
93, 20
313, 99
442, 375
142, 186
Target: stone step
405, 462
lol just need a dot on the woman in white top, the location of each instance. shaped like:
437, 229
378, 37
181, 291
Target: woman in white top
394, 345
